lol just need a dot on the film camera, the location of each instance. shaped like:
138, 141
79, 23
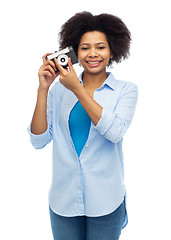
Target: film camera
63, 55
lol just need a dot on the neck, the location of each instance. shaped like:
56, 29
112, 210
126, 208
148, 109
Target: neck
94, 80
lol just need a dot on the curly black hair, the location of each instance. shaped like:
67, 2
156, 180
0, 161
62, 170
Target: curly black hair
117, 34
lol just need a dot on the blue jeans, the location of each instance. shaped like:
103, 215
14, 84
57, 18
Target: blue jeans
106, 227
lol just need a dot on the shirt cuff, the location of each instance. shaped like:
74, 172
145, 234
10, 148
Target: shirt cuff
40, 140
105, 121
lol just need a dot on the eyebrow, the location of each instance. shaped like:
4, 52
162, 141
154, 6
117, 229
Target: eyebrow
95, 43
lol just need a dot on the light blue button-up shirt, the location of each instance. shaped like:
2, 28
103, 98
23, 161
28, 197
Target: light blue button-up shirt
93, 183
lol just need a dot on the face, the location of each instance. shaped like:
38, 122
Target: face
94, 52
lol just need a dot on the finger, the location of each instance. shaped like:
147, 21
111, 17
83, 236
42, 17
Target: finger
49, 69
48, 74
44, 57
59, 67
51, 63
71, 68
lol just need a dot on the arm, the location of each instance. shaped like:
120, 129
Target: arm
47, 75
93, 109
39, 120
114, 124
111, 124
40, 129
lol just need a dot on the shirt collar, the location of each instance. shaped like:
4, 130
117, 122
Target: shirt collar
110, 80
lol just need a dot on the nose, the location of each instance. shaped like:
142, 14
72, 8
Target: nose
92, 53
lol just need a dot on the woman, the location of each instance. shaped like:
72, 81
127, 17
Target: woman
86, 118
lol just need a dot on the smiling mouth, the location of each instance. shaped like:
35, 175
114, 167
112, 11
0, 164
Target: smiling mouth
94, 62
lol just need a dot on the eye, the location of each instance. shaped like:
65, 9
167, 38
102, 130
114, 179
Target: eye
101, 47
84, 48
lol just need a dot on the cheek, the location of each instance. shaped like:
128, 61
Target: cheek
81, 60
81, 56
107, 57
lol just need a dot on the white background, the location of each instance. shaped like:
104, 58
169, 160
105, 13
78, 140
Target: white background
28, 30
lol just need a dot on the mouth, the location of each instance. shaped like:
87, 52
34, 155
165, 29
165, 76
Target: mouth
94, 63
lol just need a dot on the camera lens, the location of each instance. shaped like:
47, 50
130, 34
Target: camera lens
63, 60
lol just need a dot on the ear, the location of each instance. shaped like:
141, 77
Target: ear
110, 59
111, 55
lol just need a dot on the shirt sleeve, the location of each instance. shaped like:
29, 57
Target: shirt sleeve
113, 125
41, 140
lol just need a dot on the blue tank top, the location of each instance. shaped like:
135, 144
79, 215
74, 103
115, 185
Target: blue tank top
79, 126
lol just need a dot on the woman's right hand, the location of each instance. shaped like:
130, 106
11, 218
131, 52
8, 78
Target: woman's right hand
47, 73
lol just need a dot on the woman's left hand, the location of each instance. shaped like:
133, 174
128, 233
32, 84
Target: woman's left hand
68, 77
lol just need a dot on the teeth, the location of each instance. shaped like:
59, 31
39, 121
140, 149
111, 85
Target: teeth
94, 62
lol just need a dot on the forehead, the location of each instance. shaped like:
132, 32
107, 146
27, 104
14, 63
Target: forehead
93, 38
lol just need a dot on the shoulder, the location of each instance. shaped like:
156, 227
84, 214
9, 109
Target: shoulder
127, 86
122, 88
122, 85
